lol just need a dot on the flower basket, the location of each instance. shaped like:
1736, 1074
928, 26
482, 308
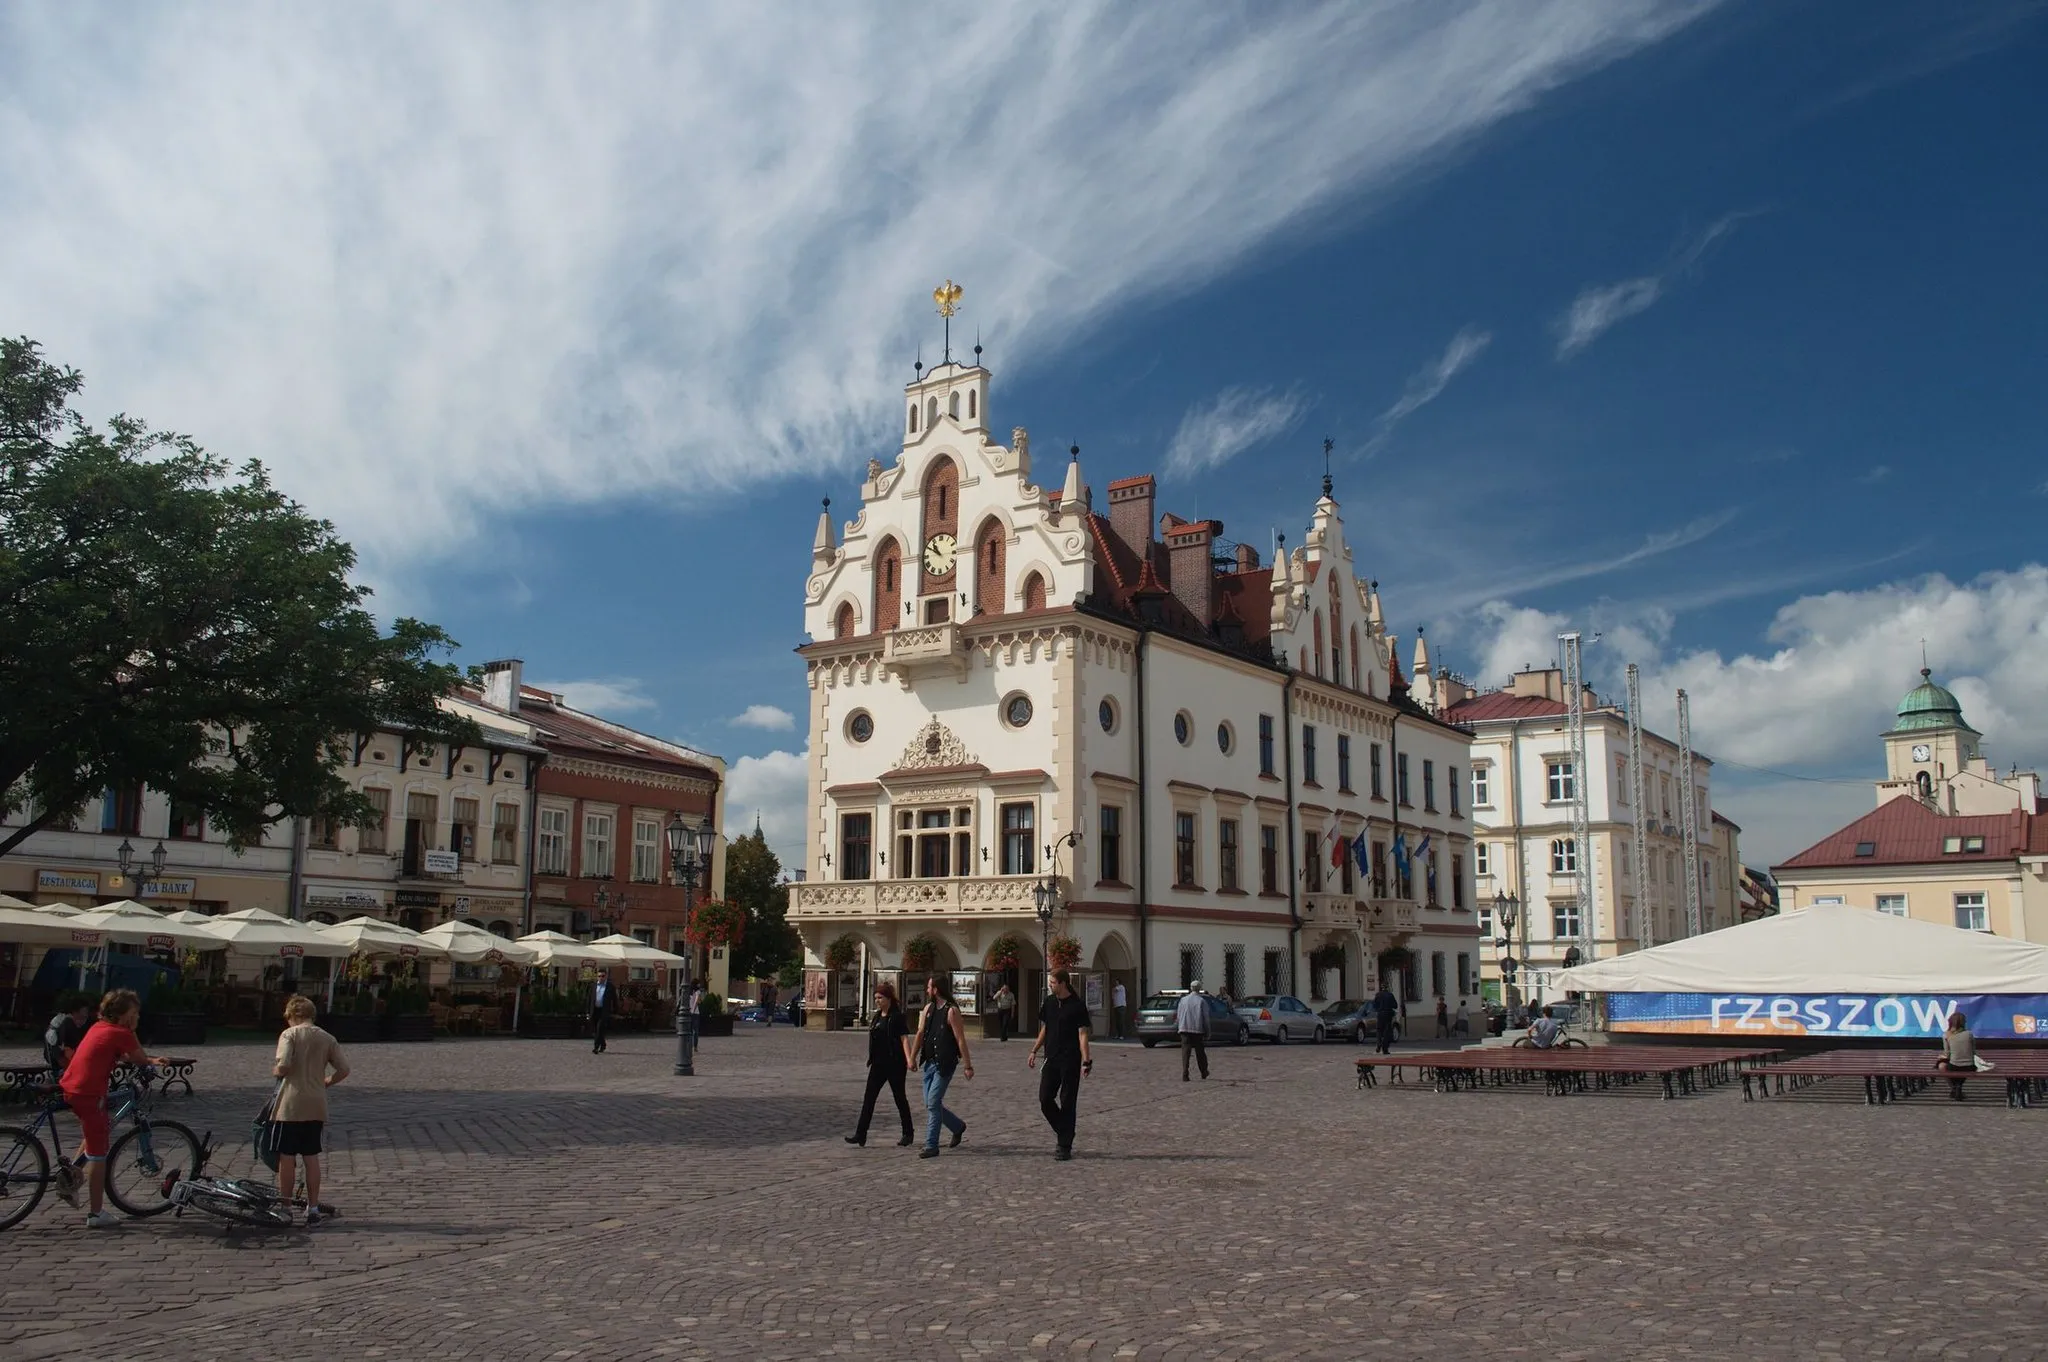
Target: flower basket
720, 923
1062, 952
842, 953
1007, 952
920, 953
1326, 957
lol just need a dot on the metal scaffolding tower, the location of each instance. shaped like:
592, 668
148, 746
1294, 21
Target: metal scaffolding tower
1689, 815
1582, 832
1647, 922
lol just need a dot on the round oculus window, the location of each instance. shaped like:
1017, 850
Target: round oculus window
1180, 728
861, 726
1018, 710
1105, 714
1223, 739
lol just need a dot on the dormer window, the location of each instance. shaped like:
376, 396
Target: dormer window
1866, 848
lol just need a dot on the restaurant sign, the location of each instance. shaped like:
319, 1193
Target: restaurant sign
317, 897
418, 898
1892, 1016
68, 881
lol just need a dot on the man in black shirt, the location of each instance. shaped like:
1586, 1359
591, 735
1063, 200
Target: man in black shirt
1063, 1036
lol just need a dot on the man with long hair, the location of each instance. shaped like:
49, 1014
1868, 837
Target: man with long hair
938, 1048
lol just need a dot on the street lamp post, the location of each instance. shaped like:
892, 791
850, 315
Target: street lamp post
1506, 907
689, 853
1045, 897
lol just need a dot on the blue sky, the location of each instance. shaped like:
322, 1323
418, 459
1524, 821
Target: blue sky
1714, 328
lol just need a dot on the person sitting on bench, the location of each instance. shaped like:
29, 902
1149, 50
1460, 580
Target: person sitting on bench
1958, 1052
1543, 1031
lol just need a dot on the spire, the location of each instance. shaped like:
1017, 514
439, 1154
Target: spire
1421, 654
1281, 584
822, 544
1328, 445
1373, 615
1070, 494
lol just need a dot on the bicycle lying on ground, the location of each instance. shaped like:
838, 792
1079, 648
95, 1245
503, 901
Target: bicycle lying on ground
143, 1163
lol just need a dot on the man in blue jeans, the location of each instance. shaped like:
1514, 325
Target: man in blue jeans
939, 1045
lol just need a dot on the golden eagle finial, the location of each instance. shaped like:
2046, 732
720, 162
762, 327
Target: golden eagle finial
947, 296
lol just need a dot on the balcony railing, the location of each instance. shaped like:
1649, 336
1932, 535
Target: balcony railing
1005, 895
923, 646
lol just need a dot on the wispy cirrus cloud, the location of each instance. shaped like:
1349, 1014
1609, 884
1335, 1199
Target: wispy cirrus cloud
1599, 308
607, 698
1236, 419
511, 257
1510, 582
1428, 383
1875, 475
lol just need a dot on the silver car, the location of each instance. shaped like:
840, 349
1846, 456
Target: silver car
1280, 1017
1156, 1020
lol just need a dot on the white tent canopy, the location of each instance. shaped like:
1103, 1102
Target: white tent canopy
1828, 948
134, 924
374, 936
39, 929
469, 943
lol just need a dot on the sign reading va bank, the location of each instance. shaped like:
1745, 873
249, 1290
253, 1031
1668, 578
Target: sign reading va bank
1903, 1016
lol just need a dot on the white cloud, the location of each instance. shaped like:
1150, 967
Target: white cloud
1876, 475
1428, 384
1599, 307
1236, 420
764, 716
771, 787
506, 258
1844, 659
607, 698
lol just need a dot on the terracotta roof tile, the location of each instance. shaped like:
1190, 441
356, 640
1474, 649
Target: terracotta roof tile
1903, 831
1502, 705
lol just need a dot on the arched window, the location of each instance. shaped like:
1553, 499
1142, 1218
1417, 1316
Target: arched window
989, 575
970, 405
931, 412
1319, 643
953, 406
1034, 592
888, 587
842, 624
913, 418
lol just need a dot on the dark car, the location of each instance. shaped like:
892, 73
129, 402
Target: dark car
1354, 1019
1156, 1020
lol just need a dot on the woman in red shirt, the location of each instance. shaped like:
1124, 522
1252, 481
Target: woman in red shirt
110, 1041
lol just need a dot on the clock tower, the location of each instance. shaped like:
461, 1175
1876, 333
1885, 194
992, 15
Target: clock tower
1928, 745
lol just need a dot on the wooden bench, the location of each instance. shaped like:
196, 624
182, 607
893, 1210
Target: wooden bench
1890, 1076
1680, 1070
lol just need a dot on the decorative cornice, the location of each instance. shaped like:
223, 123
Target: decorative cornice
628, 775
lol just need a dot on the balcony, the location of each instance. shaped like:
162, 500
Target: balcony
991, 896
926, 648
1392, 916
1335, 912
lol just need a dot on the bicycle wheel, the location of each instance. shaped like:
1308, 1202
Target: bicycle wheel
24, 1172
140, 1171
268, 1215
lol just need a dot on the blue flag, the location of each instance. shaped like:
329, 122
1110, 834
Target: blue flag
1401, 854
1358, 853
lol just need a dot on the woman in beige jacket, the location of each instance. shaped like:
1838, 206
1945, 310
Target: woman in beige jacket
310, 1062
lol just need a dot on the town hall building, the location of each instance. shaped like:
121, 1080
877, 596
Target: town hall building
1212, 759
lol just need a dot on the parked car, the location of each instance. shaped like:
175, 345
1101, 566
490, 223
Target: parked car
1354, 1019
1156, 1020
1280, 1017
753, 1012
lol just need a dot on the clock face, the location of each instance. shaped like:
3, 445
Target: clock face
1920, 751
938, 554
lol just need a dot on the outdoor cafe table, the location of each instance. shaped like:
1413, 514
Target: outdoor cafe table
1681, 1069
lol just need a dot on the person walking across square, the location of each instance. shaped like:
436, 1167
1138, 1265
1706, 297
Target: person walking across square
1383, 1006
888, 1062
1191, 1020
1063, 1036
1118, 1002
600, 1011
939, 1047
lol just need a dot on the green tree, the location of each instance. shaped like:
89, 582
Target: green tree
753, 880
171, 621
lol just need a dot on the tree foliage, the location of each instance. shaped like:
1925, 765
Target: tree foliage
753, 880
174, 622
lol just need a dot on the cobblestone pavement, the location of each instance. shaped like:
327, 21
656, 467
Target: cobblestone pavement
528, 1200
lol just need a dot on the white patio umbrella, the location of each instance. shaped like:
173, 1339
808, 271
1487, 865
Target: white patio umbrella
553, 949
375, 936
257, 931
469, 943
58, 909
9, 901
189, 918
29, 928
620, 949
137, 924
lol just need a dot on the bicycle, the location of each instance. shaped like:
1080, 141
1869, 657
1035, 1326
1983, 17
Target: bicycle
238, 1201
1565, 1040
143, 1163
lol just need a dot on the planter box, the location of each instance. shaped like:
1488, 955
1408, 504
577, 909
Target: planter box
714, 1026
352, 1028
553, 1027
175, 1028
407, 1026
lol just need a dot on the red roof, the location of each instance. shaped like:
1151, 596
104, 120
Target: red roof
1502, 704
571, 730
1903, 831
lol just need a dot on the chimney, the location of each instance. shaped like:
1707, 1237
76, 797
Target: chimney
1189, 570
1130, 513
501, 684
1247, 558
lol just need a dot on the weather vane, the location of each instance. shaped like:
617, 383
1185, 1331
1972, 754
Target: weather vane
947, 296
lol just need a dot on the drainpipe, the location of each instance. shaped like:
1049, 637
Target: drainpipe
296, 887
1144, 831
1293, 872
1394, 803
533, 764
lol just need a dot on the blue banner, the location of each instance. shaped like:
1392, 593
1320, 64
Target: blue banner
1886, 1016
